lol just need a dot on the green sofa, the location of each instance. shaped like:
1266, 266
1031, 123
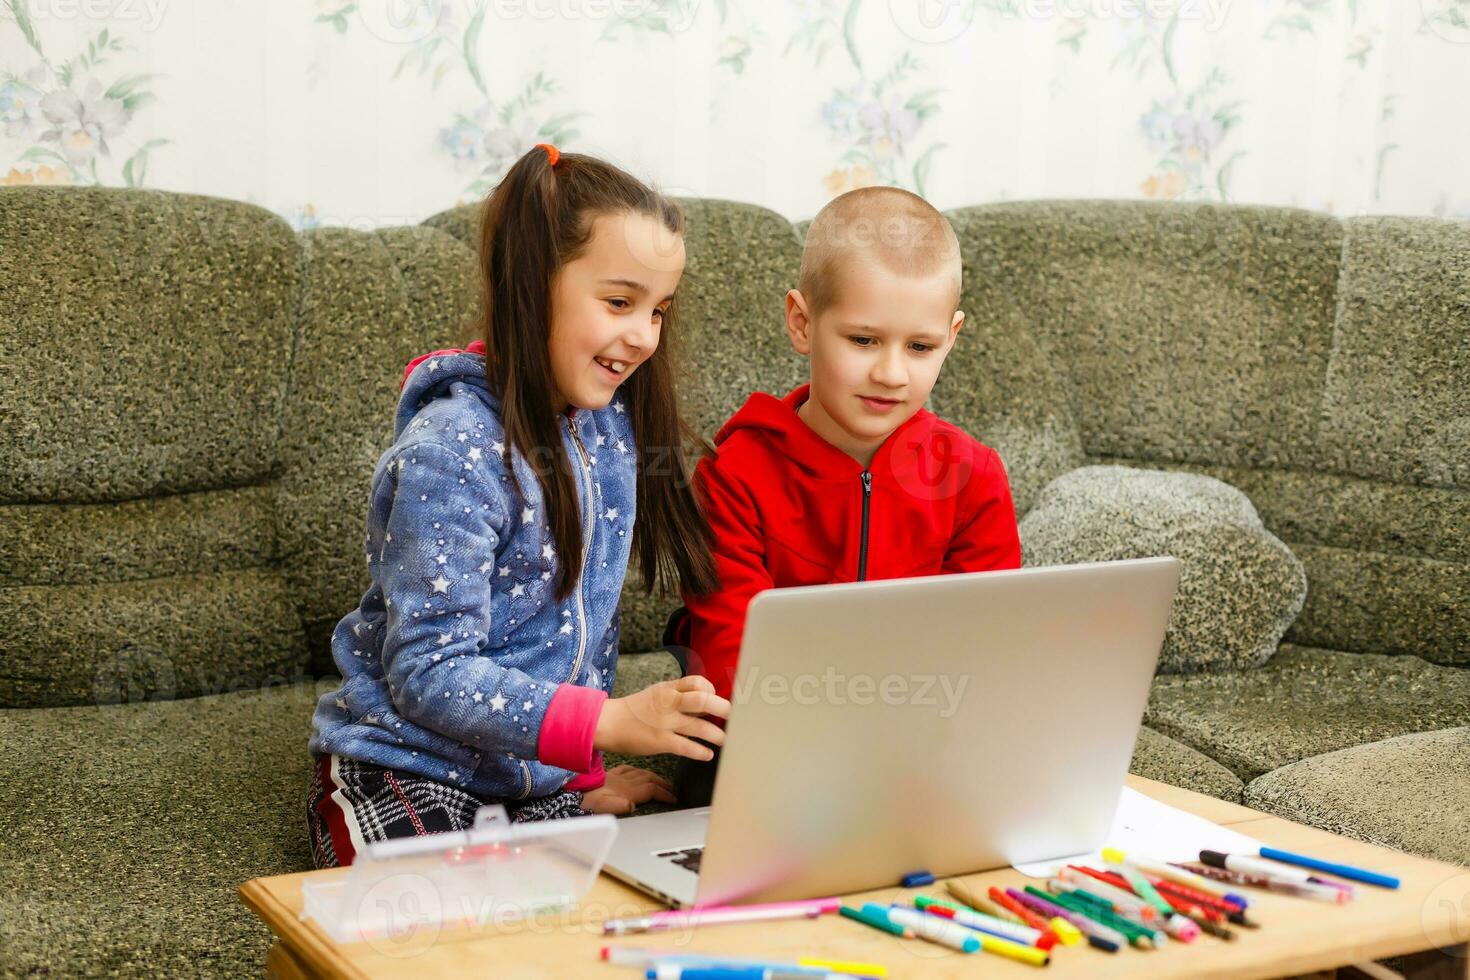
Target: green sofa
195, 397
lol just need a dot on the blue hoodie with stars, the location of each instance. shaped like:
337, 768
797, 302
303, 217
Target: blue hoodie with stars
459, 664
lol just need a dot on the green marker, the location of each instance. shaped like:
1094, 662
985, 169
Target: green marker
1138, 936
876, 921
1137, 882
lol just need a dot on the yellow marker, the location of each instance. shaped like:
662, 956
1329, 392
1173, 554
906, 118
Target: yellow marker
1069, 934
1015, 951
842, 966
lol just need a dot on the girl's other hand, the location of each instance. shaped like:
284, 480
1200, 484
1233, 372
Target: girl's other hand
625, 788
663, 717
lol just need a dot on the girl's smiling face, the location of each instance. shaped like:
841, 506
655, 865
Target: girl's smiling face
608, 305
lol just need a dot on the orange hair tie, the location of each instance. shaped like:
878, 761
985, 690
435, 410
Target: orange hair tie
552, 153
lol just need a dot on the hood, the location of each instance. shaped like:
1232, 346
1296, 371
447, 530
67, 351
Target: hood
430, 376
775, 420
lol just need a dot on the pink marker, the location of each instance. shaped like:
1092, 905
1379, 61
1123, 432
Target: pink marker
720, 914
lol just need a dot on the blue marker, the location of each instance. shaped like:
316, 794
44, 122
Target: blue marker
1341, 870
671, 971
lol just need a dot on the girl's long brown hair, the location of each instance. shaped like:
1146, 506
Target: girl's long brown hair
537, 219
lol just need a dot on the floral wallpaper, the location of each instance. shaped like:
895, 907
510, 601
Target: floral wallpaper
385, 111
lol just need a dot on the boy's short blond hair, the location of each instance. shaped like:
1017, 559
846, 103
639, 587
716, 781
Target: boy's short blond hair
897, 230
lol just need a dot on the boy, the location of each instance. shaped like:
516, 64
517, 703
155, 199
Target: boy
849, 477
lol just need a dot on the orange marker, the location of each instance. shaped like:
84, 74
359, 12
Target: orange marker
1021, 912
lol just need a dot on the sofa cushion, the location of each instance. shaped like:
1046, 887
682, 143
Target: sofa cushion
1239, 586
1411, 792
1161, 758
1306, 702
1388, 565
128, 829
150, 337
174, 311
162, 638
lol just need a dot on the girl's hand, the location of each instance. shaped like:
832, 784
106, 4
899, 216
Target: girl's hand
663, 717
625, 788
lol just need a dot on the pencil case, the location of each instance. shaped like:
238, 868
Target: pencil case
496, 871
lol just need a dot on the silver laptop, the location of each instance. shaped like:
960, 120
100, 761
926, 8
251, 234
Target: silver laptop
948, 724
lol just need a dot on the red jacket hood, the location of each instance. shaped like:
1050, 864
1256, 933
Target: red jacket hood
786, 508
775, 419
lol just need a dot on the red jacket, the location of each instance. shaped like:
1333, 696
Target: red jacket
788, 508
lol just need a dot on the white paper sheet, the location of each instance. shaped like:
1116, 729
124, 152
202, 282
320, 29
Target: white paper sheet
1148, 828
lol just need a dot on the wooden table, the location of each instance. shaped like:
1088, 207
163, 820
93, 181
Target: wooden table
1430, 910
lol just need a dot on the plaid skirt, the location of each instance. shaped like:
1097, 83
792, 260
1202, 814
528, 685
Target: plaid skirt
351, 803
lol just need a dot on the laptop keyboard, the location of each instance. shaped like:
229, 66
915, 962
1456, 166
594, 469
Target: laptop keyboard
686, 857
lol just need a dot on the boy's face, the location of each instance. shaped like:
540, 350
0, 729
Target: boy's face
875, 353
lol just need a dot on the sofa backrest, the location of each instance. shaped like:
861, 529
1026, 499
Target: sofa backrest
196, 399
1321, 365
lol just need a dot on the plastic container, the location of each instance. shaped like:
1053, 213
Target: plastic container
497, 871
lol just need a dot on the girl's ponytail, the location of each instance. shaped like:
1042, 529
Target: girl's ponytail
519, 257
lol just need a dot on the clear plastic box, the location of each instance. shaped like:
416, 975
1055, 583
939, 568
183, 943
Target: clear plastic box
494, 872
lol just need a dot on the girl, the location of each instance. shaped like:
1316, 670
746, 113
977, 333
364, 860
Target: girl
477, 667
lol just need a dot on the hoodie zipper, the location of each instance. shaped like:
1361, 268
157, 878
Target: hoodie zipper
863, 540
581, 612
587, 528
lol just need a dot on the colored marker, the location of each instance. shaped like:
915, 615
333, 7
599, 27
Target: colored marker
1037, 922
1098, 935
985, 923
1208, 919
877, 922
991, 943
1159, 869
848, 967
1341, 886
1135, 935
682, 971
1153, 930
964, 895
1126, 902
930, 927
1063, 921
1138, 935
644, 958
1218, 907
1347, 871
1173, 923
1307, 889
1021, 912
720, 914
1139, 885
1247, 864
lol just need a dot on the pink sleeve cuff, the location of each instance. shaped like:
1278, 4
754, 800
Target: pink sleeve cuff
568, 726
588, 780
